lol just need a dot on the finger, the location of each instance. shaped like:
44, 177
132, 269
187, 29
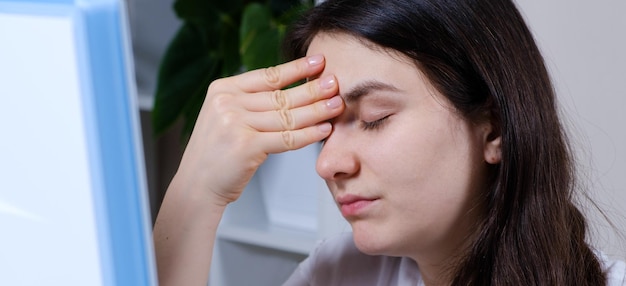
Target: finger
277, 142
280, 76
297, 118
301, 95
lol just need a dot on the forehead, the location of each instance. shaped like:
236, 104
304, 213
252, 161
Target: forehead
342, 44
353, 60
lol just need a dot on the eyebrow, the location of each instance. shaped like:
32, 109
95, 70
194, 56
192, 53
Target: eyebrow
365, 88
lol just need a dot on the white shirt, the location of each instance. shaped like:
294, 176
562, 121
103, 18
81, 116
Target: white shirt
337, 261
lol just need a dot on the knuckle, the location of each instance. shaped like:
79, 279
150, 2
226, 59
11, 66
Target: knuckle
286, 119
288, 139
222, 101
272, 76
280, 100
312, 91
302, 67
228, 119
320, 110
217, 85
224, 109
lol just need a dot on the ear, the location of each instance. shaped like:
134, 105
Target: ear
492, 144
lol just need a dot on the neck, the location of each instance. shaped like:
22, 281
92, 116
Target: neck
438, 271
435, 275
438, 264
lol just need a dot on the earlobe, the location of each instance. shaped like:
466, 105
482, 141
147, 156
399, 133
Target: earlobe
493, 149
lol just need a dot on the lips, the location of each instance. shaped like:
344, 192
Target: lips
352, 206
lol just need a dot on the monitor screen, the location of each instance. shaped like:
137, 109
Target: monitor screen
73, 196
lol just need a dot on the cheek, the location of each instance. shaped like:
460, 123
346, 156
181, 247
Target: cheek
414, 151
435, 160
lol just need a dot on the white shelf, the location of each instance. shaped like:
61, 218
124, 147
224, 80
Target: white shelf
273, 237
280, 217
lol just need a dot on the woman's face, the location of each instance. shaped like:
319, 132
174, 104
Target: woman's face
403, 167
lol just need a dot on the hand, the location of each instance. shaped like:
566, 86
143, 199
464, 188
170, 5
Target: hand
246, 117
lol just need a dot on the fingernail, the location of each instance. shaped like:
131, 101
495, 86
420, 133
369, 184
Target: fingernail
334, 102
325, 127
327, 82
315, 60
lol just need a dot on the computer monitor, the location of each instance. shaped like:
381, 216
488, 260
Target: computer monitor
73, 196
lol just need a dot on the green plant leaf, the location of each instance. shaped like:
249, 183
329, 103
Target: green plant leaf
263, 51
259, 38
218, 38
198, 9
288, 16
229, 49
279, 7
186, 64
193, 106
255, 17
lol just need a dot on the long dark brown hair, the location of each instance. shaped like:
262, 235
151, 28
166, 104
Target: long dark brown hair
481, 55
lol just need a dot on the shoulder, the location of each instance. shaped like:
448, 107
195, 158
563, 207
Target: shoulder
615, 270
337, 261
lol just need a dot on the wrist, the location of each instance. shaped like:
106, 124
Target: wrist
194, 196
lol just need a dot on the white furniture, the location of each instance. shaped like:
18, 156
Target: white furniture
280, 217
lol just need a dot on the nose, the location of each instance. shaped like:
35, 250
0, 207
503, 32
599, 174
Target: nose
337, 159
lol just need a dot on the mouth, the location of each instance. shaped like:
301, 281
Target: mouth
353, 206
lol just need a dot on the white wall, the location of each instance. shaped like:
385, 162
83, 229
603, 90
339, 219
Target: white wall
584, 43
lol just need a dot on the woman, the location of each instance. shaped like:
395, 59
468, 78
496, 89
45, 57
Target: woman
442, 148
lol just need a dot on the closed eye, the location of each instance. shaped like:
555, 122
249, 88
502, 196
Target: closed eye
374, 125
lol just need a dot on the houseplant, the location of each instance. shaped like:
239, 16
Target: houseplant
217, 38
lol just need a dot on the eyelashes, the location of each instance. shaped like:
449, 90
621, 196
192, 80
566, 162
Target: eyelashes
374, 125
367, 126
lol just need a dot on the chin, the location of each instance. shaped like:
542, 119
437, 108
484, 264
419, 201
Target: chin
368, 242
